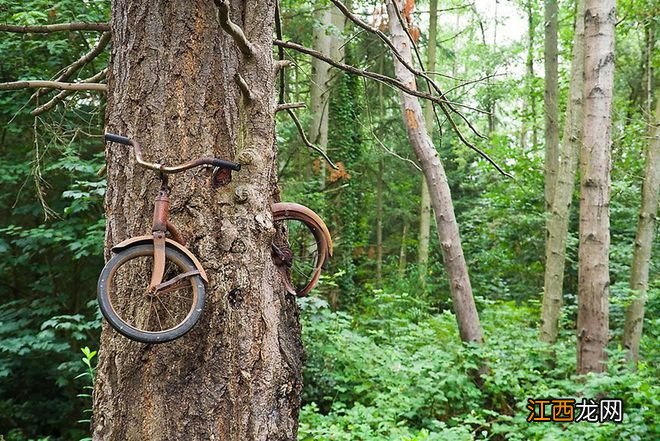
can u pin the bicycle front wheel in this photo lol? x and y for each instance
(149, 315)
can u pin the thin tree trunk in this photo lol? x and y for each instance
(550, 101)
(450, 241)
(326, 41)
(639, 273)
(558, 217)
(593, 268)
(402, 249)
(379, 223)
(429, 118)
(237, 375)
(531, 32)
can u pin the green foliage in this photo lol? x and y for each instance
(387, 364)
(398, 372)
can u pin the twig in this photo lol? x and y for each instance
(299, 126)
(52, 85)
(380, 143)
(279, 65)
(287, 106)
(420, 73)
(68, 71)
(102, 27)
(65, 93)
(233, 29)
(444, 110)
(392, 82)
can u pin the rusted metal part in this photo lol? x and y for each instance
(221, 177)
(175, 233)
(292, 210)
(222, 163)
(283, 258)
(161, 213)
(158, 269)
(146, 239)
(171, 284)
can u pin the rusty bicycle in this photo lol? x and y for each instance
(153, 288)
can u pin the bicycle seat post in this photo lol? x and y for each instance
(161, 206)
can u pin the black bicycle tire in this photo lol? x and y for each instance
(129, 331)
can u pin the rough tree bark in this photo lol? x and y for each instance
(448, 234)
(550, 100)
(558, 216)
(171, 86)
(425, 203)
(639, 273)
(593, 267)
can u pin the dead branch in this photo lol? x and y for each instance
(432, 85)
(278, 65)
(287, 106)
(101, 27)
(68, 71)
(301, 131)
(233, 29)
(52, 85)
(65, 93)
(392, 82)
(454, 127)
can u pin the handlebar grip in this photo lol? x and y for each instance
(226, 164)
(111, 137)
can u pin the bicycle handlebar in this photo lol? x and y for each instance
(216, 162)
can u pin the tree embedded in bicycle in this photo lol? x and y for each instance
(167, 283)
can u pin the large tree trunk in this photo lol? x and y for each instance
(450, 241)
(429, 118)
(593, 271)
(639, 273)
(558, 217)
(237, 374)
(550, 101)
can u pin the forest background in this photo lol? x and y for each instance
(384, 359)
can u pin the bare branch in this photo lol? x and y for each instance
(68, 71)
(392, 82)
(233, 29)
(380, 143)
(243, 85)
(278, 65)
(299, 126)
(287, 106)
(101, 27)
(444, 110)
(65, 93)
(53, 85)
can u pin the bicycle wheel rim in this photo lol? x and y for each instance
(113, 313)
